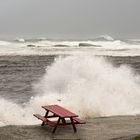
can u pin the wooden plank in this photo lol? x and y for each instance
(40, 117)
(60, 111)
(53, 123)
(45, 120)
(78, 121)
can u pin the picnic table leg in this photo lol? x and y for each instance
(63, 121)
(73, 124)
(56, 125)
(45, 116)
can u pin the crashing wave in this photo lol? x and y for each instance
(90, 83)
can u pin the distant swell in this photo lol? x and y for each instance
(102, 45)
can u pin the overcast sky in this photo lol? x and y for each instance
(70, 18)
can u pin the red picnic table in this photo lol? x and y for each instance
(62, 115)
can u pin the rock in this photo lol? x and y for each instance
(61, 45)
(31, 45)
(87, 44)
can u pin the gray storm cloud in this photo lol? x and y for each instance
(70, 18)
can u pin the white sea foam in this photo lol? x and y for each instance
(20, 39)
(87, 85)
(105, 38)
(4, 43)
(107, 46)
(91, 87)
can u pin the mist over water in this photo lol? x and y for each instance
(88, 85)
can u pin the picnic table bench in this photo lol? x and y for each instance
(62, 115)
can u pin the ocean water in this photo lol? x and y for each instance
(94, 78)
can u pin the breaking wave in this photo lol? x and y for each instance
(102, 45)
(104, 38)
(20, 40)
(87, 85)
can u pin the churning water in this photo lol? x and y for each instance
(76, 77)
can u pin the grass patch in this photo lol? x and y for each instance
(136, 138)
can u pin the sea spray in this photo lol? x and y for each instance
(88, 85)
(15, 114)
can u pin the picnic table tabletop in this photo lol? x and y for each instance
(60, 111)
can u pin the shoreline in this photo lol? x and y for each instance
(104, 128)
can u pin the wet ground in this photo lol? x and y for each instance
(108, 128)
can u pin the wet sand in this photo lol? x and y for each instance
(108, 128)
